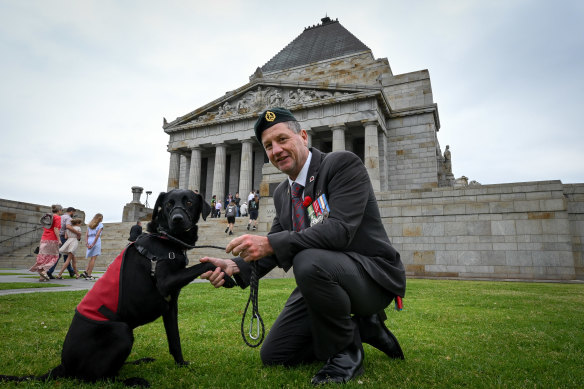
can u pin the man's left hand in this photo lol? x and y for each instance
(250, 247)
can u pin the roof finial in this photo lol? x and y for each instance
(326, 19)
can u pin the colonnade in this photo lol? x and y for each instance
(185, 165)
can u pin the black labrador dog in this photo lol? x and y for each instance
(142, 284)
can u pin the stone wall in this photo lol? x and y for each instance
(528, 231)
(19, 224)
(411, 157)
(508, 231)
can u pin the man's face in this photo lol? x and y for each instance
(286, 149)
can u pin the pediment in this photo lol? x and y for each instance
(249, 101)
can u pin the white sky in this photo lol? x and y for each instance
(84, 85)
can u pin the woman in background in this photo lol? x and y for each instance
(93, 243)
(49, 247)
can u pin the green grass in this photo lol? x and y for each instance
(14, 274)
(454, 333)
(26, 285)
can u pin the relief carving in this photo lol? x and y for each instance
(259, 99)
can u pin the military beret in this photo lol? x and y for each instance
(270, 117)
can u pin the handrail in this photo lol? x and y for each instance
(19, 235)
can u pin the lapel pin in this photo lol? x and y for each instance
(311, 178)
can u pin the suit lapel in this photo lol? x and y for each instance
(312, 173)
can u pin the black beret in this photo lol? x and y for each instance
(270, 117)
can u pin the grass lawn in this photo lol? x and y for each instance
(454, 333)
(25, 285)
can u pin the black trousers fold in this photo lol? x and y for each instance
(316, 320)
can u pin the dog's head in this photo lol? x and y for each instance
(177, 213)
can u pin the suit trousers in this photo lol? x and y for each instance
(316, 323)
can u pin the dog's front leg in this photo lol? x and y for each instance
(169, 282)
(170, 319)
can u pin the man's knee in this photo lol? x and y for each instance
(305, 262)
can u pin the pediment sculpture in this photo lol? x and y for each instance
(258, 99)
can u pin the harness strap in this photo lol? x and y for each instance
(108, 313)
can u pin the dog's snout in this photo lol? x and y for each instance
(177, 218)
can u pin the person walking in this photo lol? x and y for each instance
(66, 228)
(49, 246)
(230, 213)
(69, 248)
(93, 243)
(254, 206)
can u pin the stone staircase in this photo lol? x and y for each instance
(115, 239)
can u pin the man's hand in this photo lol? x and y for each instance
(224, 266)
(250, 247)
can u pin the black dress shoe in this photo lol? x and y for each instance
(341, 367)
(374, 332)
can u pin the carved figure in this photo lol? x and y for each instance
(447, 160)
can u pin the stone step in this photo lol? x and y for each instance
(115, 239)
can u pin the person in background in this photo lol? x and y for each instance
(218, 206)
(135, 231)
(66, 228)
(93, 243)
(49, 247)
(69, 248)
(237, 200)
(254, 206)
(230, 213)
(243, 209)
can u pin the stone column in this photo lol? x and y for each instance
(173, 171)
(185, 166)
(195, 171)
(219, 172)
(372, 154)
(246, 168)
(338, 137)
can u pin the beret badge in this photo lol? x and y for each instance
(270, 116)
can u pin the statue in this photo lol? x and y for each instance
(447, 161)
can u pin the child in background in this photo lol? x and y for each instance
(69, 248)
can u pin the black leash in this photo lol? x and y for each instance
(254, 282)
(258, 337)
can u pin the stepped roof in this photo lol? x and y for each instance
(317, 43)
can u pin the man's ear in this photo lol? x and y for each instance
(152, 226)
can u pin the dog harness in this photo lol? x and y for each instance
(105, 293)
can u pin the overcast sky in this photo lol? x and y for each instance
(85, 84)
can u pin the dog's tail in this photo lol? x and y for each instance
(57, 372)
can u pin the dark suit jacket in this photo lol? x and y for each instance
(135, 232)
(353, 227)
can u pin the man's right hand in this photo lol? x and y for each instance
(223, 266)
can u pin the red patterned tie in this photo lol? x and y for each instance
(298, 211)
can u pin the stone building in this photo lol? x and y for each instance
(342, 95)
(347, 99)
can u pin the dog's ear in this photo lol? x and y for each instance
(152, 226)
(205, 207)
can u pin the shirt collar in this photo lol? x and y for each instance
(301, 179)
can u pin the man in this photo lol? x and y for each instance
(135, 231)
(66, 228)
(346, 270)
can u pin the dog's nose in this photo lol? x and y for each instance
(177, 219)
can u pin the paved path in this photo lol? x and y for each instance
(68, 284)
(23, 275)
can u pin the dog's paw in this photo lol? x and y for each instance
(183, 363)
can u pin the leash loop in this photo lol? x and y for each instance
(255, 314)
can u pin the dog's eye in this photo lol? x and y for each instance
(168, 205)
(189, 204)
